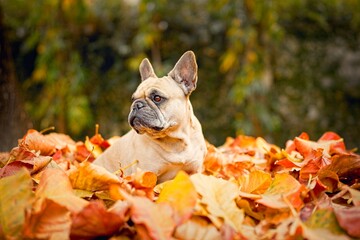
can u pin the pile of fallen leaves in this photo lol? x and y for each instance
(249, 189)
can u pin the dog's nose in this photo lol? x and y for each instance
(138, 105)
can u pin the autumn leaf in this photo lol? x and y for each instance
(257, 182)
(245, 205)
(346, 166)
(283, 186)
(61, 141)
(50, 221)
(55, 185)
(13, 168)
(33, 140)
(251, 190)
(355, 196)
(93, 148)
(33, 165)
(349, 219)
(88, 176)
(306, 146)
(95, 220)
(323, 225)
(197, 228)
(219, 197)
(180, 193)
(143, 179)
(152, 221)
(15, 197)
(82, 153)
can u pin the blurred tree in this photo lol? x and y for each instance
(266, 68)
(13, 119)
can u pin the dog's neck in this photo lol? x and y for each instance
(179, 140)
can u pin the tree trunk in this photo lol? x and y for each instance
(13, 119)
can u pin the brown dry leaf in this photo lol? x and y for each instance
(55, 185)
(95, 220)
(197, 228)
(88, 176)
(50, 221)
(219, 197)
(346, 166)
(181, 194)
(33, 140)
(152, 221)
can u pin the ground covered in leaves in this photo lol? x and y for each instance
(249, 189)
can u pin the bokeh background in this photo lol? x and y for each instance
(266, 68)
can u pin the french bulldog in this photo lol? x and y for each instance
(166, 137)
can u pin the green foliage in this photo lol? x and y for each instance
(266, 68)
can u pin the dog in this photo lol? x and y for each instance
(166, 137)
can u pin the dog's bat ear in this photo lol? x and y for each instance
(146, 70)
(185, 72)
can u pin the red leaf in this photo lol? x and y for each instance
(349, 220)
(290, 146)
(13, 168)
(82, 153)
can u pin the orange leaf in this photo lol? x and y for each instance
(152, 221)
(257, 182)
(50, 221)
(180, 193)
(55, 185)
(33, 140)
(144, 179)
(282, 186)
(305, 147)
(95, 220)
(88, 176)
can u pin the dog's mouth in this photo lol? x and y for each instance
(141, 126)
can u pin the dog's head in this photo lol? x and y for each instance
(161, 105)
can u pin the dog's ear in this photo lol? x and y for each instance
(146, 70)
(185, 72)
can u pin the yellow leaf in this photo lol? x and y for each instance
(88, 176)
(180, 193)
(228, 61)
(219, 197)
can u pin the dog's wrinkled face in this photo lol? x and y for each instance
(160, 105)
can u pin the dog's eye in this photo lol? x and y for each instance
(157, 98)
